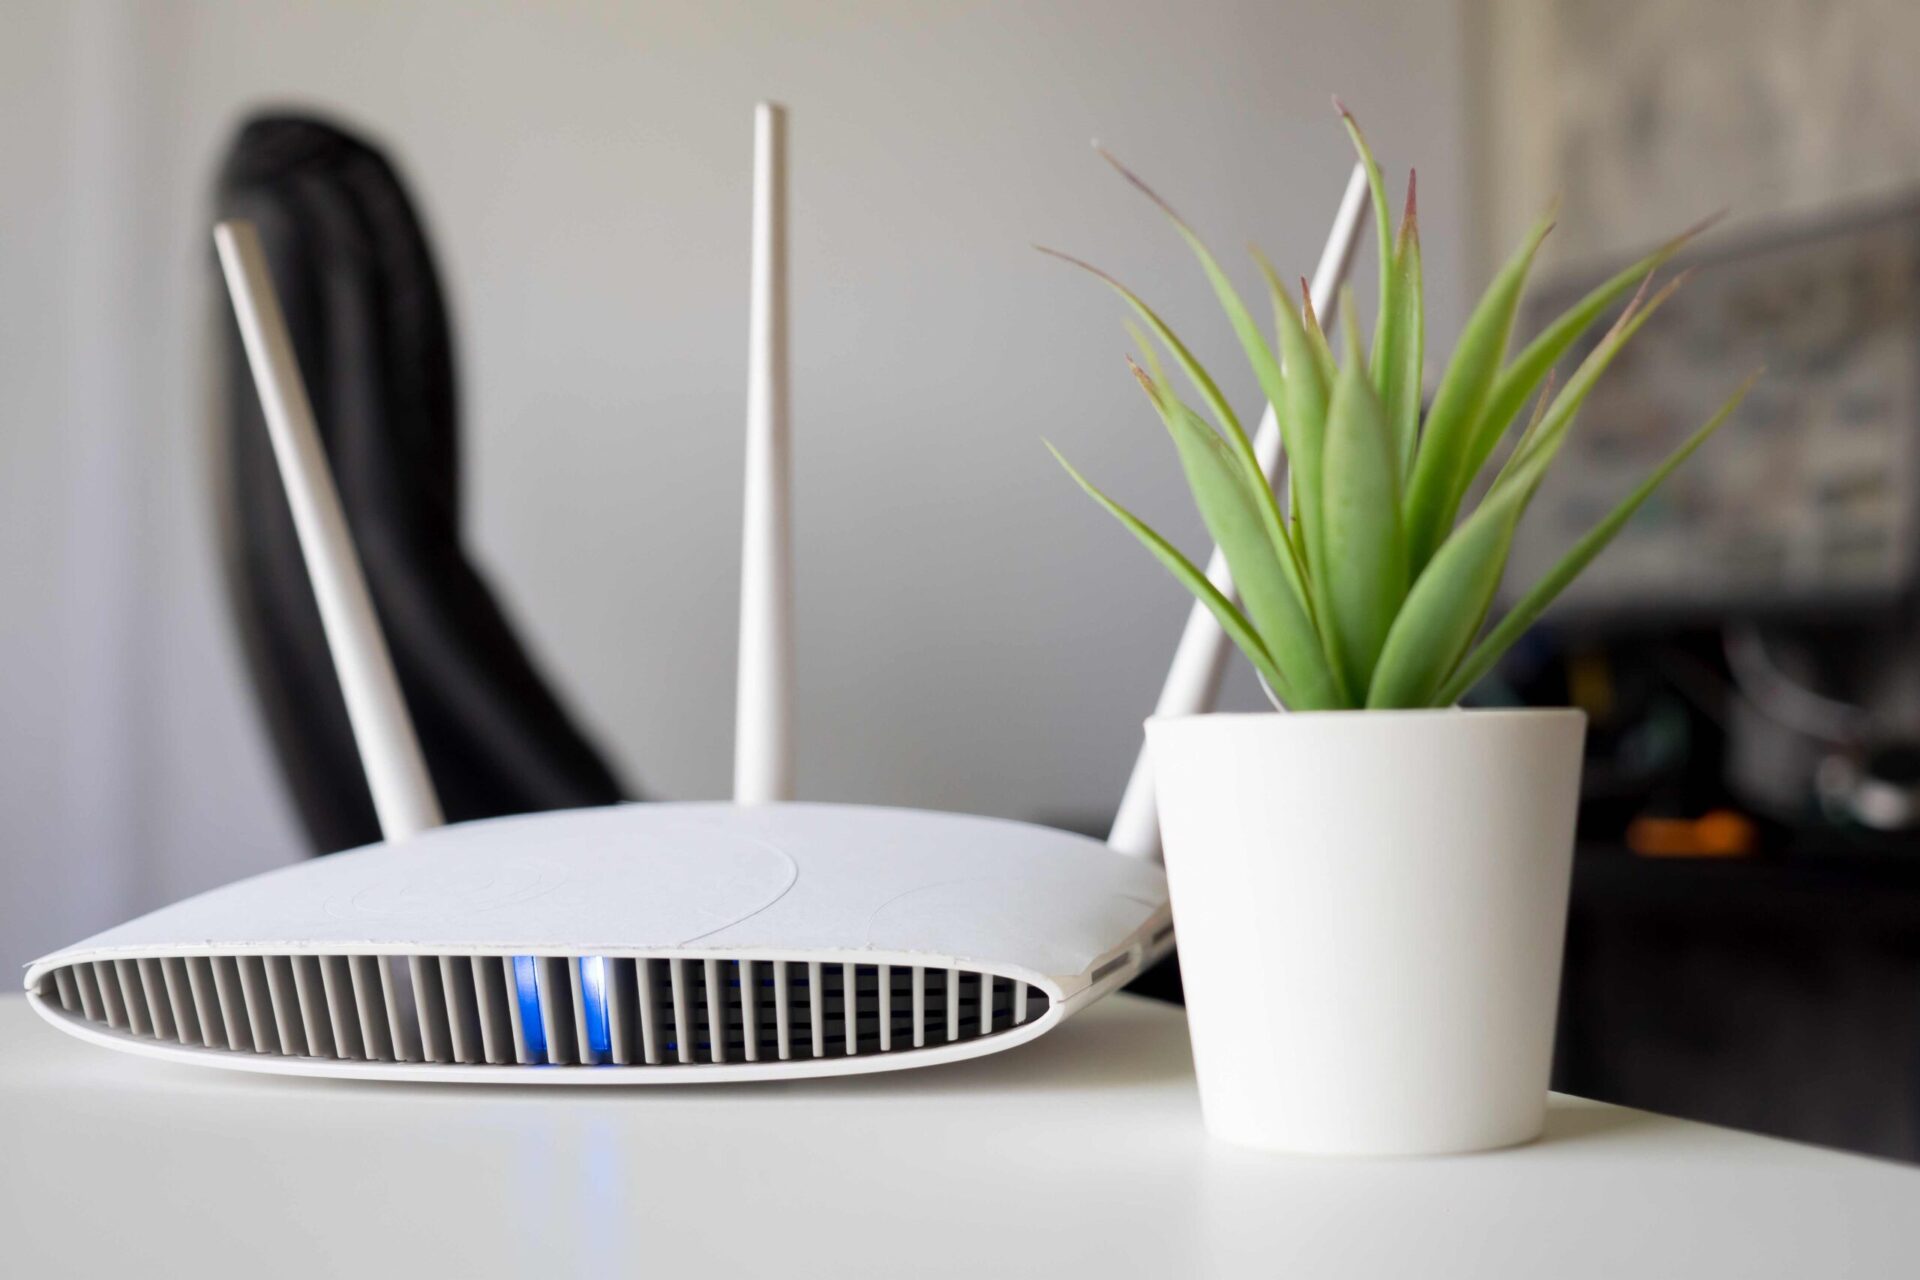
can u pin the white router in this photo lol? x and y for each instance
(646, 943)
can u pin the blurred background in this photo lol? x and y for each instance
(572, 182)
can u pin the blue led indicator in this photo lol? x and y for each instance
(593, 995)
(527, 989)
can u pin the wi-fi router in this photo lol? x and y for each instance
(640, 943)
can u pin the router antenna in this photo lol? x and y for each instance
(1193, 681)
(403, 794)
(763, 728)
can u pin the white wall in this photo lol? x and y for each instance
(973, 634)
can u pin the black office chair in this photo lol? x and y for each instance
(364, 307)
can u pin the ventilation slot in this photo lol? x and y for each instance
(179, 994)
(491, 1010)
(107, 982)
(206, 1003)
(595, 1011)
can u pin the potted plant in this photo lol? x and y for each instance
(1371, 889)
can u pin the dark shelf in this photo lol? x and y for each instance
(1779, 993)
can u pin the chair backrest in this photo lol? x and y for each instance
(363, 304)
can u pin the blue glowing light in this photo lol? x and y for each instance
(527, 990)
(593, 995)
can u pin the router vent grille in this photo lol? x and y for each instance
(540, 1010)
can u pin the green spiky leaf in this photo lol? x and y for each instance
(1197, 374)
(1389, 314)
(1404, 358)
(1232, 514)
(1435, 488)
(1524, 375)
(1365, 544)
(1225, 612)
(1266, 366)
(1551, 431)
(1303, 413)
(1446, 605)
(1527, 610)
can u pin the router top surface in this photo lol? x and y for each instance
(708, 877)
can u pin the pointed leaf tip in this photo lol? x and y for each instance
(1705, 224)
(1639, 307)
(1634, 304)
(1409, 233)
(1146, 382)
(1081, 263)
(1138, 184)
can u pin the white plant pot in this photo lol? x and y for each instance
(1371, 907)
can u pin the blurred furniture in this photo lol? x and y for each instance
(1780, 995)
(1081, 1154)
(364, 305)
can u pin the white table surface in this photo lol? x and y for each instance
(1078, 1155)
